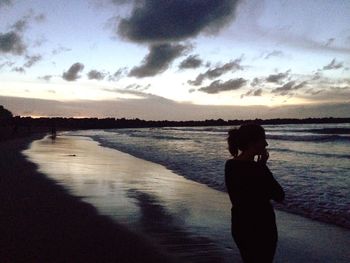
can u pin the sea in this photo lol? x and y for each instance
(310, 161)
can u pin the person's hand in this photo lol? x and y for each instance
(262, 158)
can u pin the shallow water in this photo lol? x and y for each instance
(312, 162)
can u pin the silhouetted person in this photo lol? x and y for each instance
(251, 186)
(53, 133)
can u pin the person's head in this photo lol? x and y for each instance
(247, 137)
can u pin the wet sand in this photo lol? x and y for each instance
(41, 222)
(144, 211)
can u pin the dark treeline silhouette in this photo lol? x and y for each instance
(110, 123)
(30, 124)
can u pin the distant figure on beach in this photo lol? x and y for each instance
(251, 186)
(53, 133)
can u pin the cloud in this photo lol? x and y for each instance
(216, 72)
(19, 70)
(20, 25)
(192, 61)
(12, 43)
(5, 2)
(162, 109)
(94, 74)
(329, 42)
(256, 81)
(333, 65)
(254, 92)
(6, 64)
(73, 71)
(40, 18)
(46, 77)
(289, 86)
(164, 21)
(275, 53)
(218, 86)
(158, 60)
(117, 75)
(31, 60)
(60, 49)
(277, 78)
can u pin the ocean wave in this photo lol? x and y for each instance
(309, 138)
(315, 187)
(328, 155)
(198, 129)
(145, 134)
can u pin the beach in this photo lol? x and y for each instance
(83, 201)
(42, 222)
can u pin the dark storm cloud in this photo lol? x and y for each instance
(288, 87)
(12, 43)
(277, 78)
(216, 72)
(333, 65)
(192, 61)
(174, 20)
(218, 86)
(95, 74)
(158, 60)
(73, 71)
(31, 60)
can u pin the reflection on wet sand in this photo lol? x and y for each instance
(171, 210)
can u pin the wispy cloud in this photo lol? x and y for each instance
(253, 92)
(333, 65)
(19, 70)
(31, 60)
(274, 53)
(60, 49)
(46, 77)
(218, 86)
(288, 87)
(192, 61)
(277, 78)
(217, 72)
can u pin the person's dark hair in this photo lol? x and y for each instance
(241, 138)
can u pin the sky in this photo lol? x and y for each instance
(175, 59)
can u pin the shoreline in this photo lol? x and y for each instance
(42, 222)
(174, 207)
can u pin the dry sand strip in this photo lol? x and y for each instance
(41, 222)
